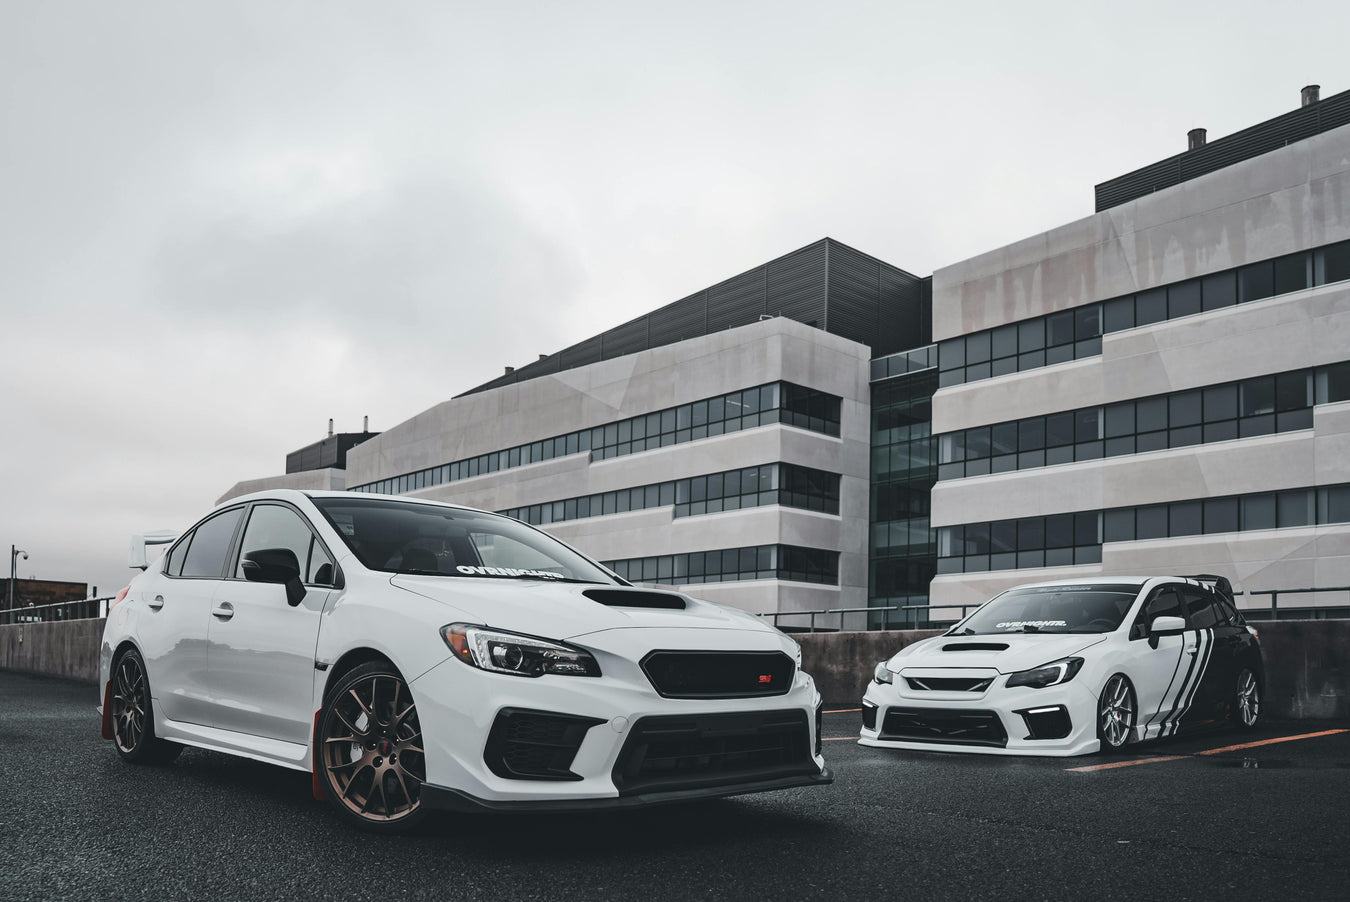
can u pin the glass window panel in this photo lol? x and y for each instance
(1031, 360)
(1004, 340)
(1335, 263)
(1292, 272)
(1087, 348)
(1117, 446)
(1031, 434)
(1150, 414)
(1257, 396)
(1087, 322)
(1186, 518)
(1151, 522)
(977, 348)
(1087, 424)
(1004, 438)
(1031, 534)
(1118, 314)
(1221, 432)
(1058, 354)
(1184, 409)
(1252, 426)
(977, 442)
(1059, 531)
(1221, 515)
(1183, 299)
(1293, 391)
(1183, 436)
(1003, 536)
(1150, 441)
(1334, 505)
(1333, 383)
(1031, 335)
(1059, 328)
(1150, 306)
(1256, 281)
(1002, 366)
(1219, 290)
(1059, 429)
(1119, 525)
(952, 354)
(1294, 419)
(1119, 419)
(1087, 528)
(1220, 403)
(1258, 512)
(1295, 508)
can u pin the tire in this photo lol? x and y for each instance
(368, 751)
(1245, 711)
(1116, 710)
(132, 716)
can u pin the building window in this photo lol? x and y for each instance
(783, 562)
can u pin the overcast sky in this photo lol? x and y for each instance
(222, 224)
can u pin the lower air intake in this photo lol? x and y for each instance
(943, 726)
(535, 745)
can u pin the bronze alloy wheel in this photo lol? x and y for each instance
(133, 723)
(1247, 704)
(371, 751)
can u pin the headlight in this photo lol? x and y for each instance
(502, 652)
(882, 675)
(1051, 674)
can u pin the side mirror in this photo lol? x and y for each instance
(1164, 626)
(275, 565)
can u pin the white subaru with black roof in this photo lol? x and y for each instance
(1073, 667)
(415, 655)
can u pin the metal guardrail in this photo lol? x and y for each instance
(1273, 594)
(79, 609)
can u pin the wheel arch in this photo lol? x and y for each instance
(349, 661)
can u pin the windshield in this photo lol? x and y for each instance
(408, 537)
(1052, 609)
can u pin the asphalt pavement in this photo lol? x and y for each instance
(1266, 821)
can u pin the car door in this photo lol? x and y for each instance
(261, 649)
(1218, 647)
(1159, 662)
(172, 630)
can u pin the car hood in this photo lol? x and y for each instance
(553, 610)
(1006, 653)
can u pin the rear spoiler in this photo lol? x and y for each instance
(1220, 584)
(136, 558)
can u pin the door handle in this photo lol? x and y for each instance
(223, 611)
(157, 603)
(1192, 651)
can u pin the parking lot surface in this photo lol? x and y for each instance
(1167, 821)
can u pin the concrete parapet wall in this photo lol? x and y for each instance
(1307, 661)
(62, 648)
(1307, 665)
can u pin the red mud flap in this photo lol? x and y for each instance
(105, 725)
(316, 785)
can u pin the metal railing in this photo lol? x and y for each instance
(79, 609)
(1273, 610)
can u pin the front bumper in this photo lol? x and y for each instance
(1010, 733)
(458, 707)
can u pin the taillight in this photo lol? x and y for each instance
(1255, 635)
(120, 595)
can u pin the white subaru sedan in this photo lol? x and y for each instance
(414, 655)
(1073, 667)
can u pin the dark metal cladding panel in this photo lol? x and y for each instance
(686, 318)
(906, 318)
(629, 338)
(581, 353)
(738, 301)
(1264, 137)
(543, 367)
(855, 294)
(797, 285)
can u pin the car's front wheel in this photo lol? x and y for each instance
(1115, 713)
(1247, 700)
(369, 749)
(133, 722)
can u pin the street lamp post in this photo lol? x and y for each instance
(14, 554)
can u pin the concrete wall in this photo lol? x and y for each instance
(1307, 661)
(64, 648)
(1307, 665)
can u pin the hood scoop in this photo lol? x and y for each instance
(976, 646)
(635, 598)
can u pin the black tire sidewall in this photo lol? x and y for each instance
(348, 680)
(149, 749)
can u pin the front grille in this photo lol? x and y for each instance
(719, 674)
(949, 684)
(535, 745)
(664, 754)
(944, 726)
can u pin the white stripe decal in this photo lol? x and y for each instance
(1205, 638)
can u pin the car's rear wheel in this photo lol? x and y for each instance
(1246, 710)
(133, 721)
(1115, 713)
(370, 749)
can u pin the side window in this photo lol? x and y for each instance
(210, 543)
(174, 565)
(271, 527)
(1200, 609)
(1230, 612)
(1164, 602)
(321, 570)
